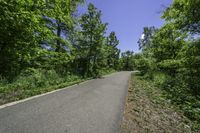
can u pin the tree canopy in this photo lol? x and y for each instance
(48, 35)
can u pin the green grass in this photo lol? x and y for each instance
(37, 82)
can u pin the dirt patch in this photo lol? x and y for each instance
(147, 112)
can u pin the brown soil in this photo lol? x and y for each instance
(145, 113)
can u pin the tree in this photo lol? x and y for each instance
(184, 14)
(167, 44)
(59, 18)
(113, 51)
(19, 24)
(170, 56)
(143, 64)
(28, 36)
(91, 44)
(127, 60)
(145, 41)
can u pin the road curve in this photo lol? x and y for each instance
(92, 107)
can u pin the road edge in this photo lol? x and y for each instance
(47, 93)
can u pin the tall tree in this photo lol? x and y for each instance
(113, 51)
(19, 24)
(184, 15)
(28, 33)
(91, 44)
(167, 44)
(59, 17)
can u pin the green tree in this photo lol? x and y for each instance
(127, 60)
(145, 41)
(167, 43)
(28, 37)
(59, 18)
(184, 14)
(19, 24)
(113, 51)
(91, 44)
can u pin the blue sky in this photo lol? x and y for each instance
(128, 17)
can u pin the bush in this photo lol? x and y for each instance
(179, 93)
(159, 78)
(32, 82)
(37, 78)
(146, 66)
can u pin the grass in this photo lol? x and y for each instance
(149, 110)
(37, 82)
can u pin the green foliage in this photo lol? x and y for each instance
(192, 69)
(172, 92)
(159, 78)
(35, 81)
(184, 14)
(179, 93)
(28, 38)
(167, 43)
(144, 65)
(45, 45)
(92, 47)
(113, 51)
(127, 61)
(170, 57)
(48, 35)
(17, 24)
(145, 41)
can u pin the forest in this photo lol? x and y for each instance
(170, 57)
(47, 44)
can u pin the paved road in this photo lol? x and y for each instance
(92, 107)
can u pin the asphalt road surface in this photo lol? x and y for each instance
(95, 106)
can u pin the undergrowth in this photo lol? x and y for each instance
(37, 81)
(175, 92)
(149, 111)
